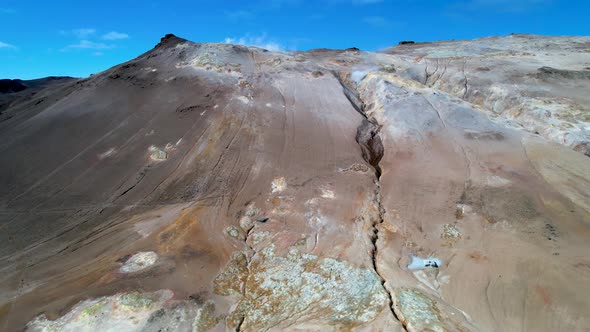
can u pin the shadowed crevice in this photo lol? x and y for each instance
(367, 136)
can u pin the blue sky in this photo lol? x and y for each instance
(41, 38)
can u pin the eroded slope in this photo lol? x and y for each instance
(222, 187)
(532, 82)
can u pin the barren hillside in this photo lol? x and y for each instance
(212, 187)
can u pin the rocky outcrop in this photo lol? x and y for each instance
(527, 82)
(219, 187)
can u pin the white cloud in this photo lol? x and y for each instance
(87, 40)
(114, 35)
(83, 33)
(87, 44)
(259, 41)
(7, 46)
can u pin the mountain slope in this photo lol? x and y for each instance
(215, 186)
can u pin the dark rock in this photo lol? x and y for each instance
(583, 148)
(198, 298)
(317, 73)
(548, 72)
(123, 259)
(485, 135)
(158, 314)
(367, 136)
(262, 219)
(170, 40)
(388, 69)
(482, 69)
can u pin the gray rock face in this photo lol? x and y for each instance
(214, 187)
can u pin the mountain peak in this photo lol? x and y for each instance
(170, 40)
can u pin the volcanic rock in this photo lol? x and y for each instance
(215, 187)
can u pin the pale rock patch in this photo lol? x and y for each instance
(278, 185)
(327, 290)
(232, 231)
(120, 312)
(107, 153)
(157, 154)
(244, 99)
(326, 193)
(139, 261)
(497, 181)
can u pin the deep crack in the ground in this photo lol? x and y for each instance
(373, 157)
(375, 250)
(367, 136)
(248, 261)
(372, 150)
